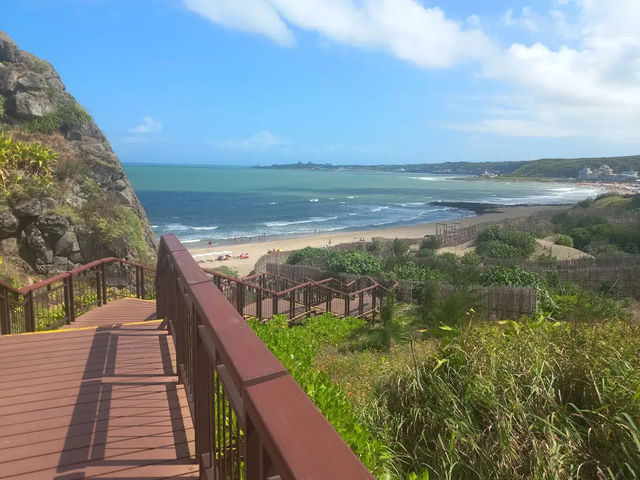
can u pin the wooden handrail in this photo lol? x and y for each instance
(56, 300)
(235, 387)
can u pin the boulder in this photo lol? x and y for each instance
(67, 245)
(8, 49)
(37, 247)
(52, 227)
(8, 79)
(9, 246)
(30, 81)
(26, 105)
(33, 207)
(9, 224)
(59, 265)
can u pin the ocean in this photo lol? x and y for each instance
(219, 204)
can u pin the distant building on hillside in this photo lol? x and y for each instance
(605, 173)
(585, 174)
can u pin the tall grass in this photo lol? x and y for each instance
(533, 399)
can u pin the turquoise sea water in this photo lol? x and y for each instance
(199, 204)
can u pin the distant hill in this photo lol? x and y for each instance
(542, 168)
(568, 167)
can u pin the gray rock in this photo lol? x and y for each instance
(120, 184)
(9, 246)
(52, 227)
(39, 254)
(76, 258)
(60, 264)
(8, 79)
(26, 105)
(30, 81)
(33, 207)
(8, 224)
(8, 48)
(67, 244)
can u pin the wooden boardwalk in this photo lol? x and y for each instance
(98, 399)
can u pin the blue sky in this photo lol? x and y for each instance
(244, 82)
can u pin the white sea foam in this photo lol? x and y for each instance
(378, 209)
(426, 179)
(351, 196)
(190, 240)
(298, 222)
(205, 228)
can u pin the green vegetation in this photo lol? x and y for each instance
(224, 270)
(69, 113)
(24, 167)
(585, 229)
(564, 240)
(568, 167)
(497, 241)
(440, 392)
(297, 348)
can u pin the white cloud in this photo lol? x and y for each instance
(405, 28)
(590, 86)
(257, 16)
(590, 90)
(261, 140)
(148, 125)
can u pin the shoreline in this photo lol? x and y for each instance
(256, 249)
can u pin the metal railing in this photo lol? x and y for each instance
(58, 300)
(252, 420)
(264, 295)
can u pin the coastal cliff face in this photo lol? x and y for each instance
(65, 199)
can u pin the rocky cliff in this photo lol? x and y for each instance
(65, 199)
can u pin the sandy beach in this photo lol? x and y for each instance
(256, 249)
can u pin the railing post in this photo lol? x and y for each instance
(373, 303)
(137, 282)
(142, 290)
(98, 288)
(29, 313)
(67, 300)
(5, 321)
(103, 284)
(307, 300)
(72, 300)
(202, 396)
(361, 306)
(292, 305)
(259, 303)
(276, 301)
(240, 298)
(329, 300)
(347, 309)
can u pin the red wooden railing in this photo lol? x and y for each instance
(252, 420)
(264, 295)
(58, 300)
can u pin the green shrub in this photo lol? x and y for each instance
(471, 258)
(308, 253)
(497, 241)
(564, 240)
(357, 262)
(430, 243)
(69, 113)
(24, 166)
(400, 247)
(375, 246)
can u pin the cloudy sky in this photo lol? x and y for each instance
(345, 81)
